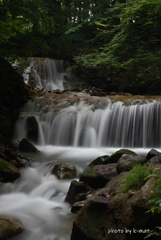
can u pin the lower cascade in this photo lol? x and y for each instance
(96, 124)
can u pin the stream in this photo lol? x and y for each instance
(74, 131)
(37, 198)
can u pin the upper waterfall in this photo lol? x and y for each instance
(96, 124)
(45, 73)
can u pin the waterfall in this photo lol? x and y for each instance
(82, 124)
(73, 128)
(45, 73)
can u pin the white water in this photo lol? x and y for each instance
(37, 199)
(116, 125)
(47, 74)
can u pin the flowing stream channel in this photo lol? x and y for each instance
(77, 133)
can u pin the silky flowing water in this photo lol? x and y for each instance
(37, 198)
(76, 132)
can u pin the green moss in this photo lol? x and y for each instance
(4, 165)
(117, 155)
(92, 175)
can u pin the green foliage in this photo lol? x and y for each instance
(4, 165)
(135, 178)
(117, 40)
(155, 201)
(154, 233)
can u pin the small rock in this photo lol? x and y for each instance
(8, 172)
(65, 171)
(27, 146)
(9, 228)
(77, 192)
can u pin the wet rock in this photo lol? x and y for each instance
(110, 209)
(22, 162)
(65, 171)
(153, 160)
(27, 146)
(77, 192)
(8, 153)
(153, 153)
(99, 161)
(13, 156)
(32, 81)
(98, 176)
(127, 162)
(32, 129)
(8, 172)
(9, 228)
(77, 206)
(116, 156)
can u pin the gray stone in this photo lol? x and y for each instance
(65, 171)
(127, 162)
(98, 176)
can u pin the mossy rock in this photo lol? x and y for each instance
(9, 228)
(109, 209)
(8, 173)
(99, 160)
(98, 176)
(64, 171)
(117, 155)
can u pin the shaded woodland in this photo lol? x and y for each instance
(115, 45)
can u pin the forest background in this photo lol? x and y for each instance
(115, 45)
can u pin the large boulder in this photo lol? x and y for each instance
(127, 162)
(99, 160)
(8, 172)
(98, 176)
(112, 215)
(12, 97)
(9, 227)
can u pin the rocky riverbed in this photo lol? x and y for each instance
(102, 210)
